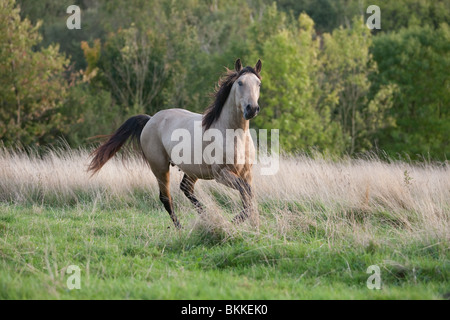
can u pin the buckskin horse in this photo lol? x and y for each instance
(235, 103)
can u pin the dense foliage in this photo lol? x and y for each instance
(328, 81)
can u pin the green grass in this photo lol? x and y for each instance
(132, 253)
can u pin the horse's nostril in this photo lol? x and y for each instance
(248, 108)
(258, 108)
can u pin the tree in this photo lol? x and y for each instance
(32, 85)
(396, 15)
(290, 94)
(89, 113)
(327, 14)
(347, 68)
(417, 61)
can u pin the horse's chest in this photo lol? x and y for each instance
(238, 151)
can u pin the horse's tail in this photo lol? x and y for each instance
(132, 128)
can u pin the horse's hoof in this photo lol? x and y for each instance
(239, 219)
(178, 227)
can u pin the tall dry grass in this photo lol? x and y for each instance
(357, 197)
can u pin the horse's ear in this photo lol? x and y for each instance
(258, 66)
(238, 65)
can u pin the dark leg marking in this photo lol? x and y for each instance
(187, 186)
(246, 194)
(169, 207)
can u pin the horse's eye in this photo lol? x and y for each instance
(240, 83)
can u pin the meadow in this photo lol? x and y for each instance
(323, 223)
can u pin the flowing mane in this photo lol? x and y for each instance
(212, 113)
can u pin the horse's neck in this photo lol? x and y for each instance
(231, 116)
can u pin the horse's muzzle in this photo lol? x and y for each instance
(251, 112)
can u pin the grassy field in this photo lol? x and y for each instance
(323, 223)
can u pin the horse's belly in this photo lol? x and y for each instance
(195, 170)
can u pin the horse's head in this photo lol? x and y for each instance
(242, 85)
(246, 89)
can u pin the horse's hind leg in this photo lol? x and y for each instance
(187, 186)
(164, 195)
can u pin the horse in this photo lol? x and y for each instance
(235, 103)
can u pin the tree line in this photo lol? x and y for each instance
(329, 83)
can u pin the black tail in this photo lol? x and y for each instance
(132, 128)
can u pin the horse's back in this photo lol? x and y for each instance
(165, 122)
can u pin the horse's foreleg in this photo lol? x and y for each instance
(230, 179)
(187, 186)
